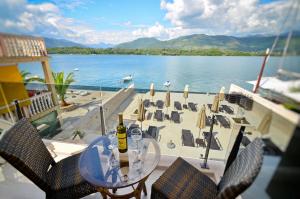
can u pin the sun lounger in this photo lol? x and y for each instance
(160, 104)
(158, 115)
(228, 109)
(187, 138)
(153, 132)
(200, 142)
(149, 116)
(175, 117)
(214, 144)
(147, 103)
(224, 121)
(192, 106)
(84, 93)
(177, 105)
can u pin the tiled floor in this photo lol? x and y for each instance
(13, 185)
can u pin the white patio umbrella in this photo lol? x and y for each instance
(222, 93)
(215, 105)
(168, 100)
(152, 92)
(186, 92)
(201, 122)
(141, 112)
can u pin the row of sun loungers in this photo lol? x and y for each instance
(159, 116)
(188, 140)
(160, 104)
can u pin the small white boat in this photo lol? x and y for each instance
(167, 84)
(127, 78)
(76, 69)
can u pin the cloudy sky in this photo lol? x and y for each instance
(116, 21)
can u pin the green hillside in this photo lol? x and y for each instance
(202, 41)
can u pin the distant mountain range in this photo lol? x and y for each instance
(59, 43)
(202, 41)
(193, 42)
(101, 45)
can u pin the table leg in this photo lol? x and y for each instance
(103, 194)
(145, 189)
(135, 193)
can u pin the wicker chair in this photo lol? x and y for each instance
(22, 147)
(182, 180)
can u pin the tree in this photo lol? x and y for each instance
(27, 78)
(62, 83)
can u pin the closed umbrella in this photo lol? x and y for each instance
(201, 122)
(215, 105)
(141, 112)
(152, 92)
(222, 93)
(186, 92)
(265, 124)
(168, 100)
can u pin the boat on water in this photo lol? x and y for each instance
(167, 84)
(76, 69)
(127, 78)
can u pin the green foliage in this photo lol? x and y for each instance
(27, 78)
(62, 83)
(78, 133)
(167, 51)
(295, 89)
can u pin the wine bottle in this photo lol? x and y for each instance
(122, 135)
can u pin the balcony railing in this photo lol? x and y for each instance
(39, 104)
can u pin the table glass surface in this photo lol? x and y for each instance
(102, 166)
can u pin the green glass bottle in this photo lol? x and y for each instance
(122, 135)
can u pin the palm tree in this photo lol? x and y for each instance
(62, 84)
(27, 78)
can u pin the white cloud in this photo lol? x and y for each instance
(46, 20)
(223, 16)
(164, 33)
(186, 16)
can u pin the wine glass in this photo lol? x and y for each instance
(136, 136)
(113, 139)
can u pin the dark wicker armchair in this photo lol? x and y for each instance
(182, 180)
(22, 147)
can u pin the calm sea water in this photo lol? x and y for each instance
(202, 73)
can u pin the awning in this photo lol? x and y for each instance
(11, 88)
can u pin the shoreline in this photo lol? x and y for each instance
(159, 52)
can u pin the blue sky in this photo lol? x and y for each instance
(116, 21)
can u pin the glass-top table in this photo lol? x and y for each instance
(102, 165)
